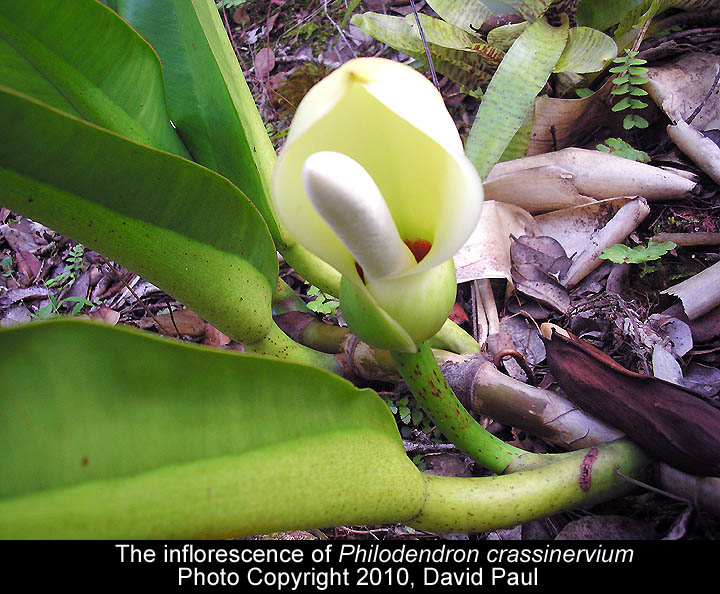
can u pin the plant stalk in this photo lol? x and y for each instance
(421, 373)
(277, 344)
(478, 504)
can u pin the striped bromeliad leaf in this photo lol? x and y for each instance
(462, 57)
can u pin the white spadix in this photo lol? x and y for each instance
(350, 202)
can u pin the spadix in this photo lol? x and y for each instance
(347, 198)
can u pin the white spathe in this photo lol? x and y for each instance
(373, 161)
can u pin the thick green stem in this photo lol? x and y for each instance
(427, 383)
(570, 480)
(453, 338)
(277, 344)
(285, 299)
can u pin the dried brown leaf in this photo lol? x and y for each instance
(264, 62)
(672, 424)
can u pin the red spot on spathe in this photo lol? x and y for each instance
(360, 272)
(419, 248)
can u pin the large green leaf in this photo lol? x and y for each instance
(179, 225)
(80, 58)
(603, 15)
(529, 9)
(587, 50)
(519, 78)
(503, 37)
(208, 98)
(634, 20)
(469, 15)
(110, 433)
(458, 55)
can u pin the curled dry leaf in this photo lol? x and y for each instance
(105, 314)
(706, 328)
(670, 423)
(537, 190)
(264, 62)
(699, 294)
(486, 254)
(184, 321)
(701, 149)
(585, 231)
(606, 528)
(559, 123)
(703, 379)
(544, 288)
(544, 252)
(681, 85)
(601, 175)
(537, 262)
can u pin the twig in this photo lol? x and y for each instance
(134, 294)
(413, 446)
(651, 488)
(232, 40)
(339, 30)
(519, 359)
(425, 45)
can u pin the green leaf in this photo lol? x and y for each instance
(634, 121)
(620, 148)
(511, 94)
(605, 14)
(464, 14)
(102, 72)
(641, 12)
(145, 208)
(622, 254)
(503, 37)
(127, 435)
(463, 58)
(352, 5)
(528, 9)
(587, 50)
(208, 98)
(624, 103)
(519, 143)
(621, 80)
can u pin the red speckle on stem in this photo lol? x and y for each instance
(419, 248)
(585, 479)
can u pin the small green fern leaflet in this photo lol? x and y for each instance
(631, 73)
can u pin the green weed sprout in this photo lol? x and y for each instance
(622, 254)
